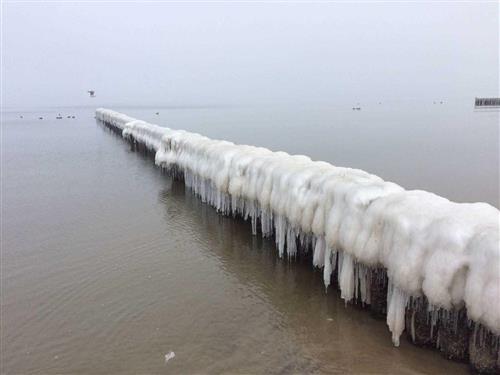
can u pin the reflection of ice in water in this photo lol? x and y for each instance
(169, 356)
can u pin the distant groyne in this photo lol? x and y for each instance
(430, 266)
(487, 102)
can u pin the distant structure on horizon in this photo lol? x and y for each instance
(487, 102)
(91, 93)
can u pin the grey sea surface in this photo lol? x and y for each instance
(107, 265)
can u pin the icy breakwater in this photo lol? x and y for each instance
(435, 262)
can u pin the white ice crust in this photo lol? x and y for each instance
(448, 252)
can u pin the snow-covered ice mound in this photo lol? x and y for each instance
(448, 252)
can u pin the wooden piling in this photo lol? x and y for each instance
(418, 323)
(454, 336)
(483, 351)
(378, 293)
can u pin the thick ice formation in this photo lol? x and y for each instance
(430, 246)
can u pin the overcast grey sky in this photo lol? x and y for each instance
(217, 53)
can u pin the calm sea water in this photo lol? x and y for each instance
(107, 265)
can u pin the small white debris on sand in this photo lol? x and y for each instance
(169, 356)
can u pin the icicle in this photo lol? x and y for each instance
(396, 304)
(280, 227)
(266, 223)
(319, 252)
(252, 212)
(434, 315)
(346, 278)
(364, 283)
(291, 244)
(327, 271)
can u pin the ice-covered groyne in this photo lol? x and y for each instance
(437, 258)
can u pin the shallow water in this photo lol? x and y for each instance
(108, 265)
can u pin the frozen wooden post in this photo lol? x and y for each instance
(418, 323)
(378, 293)
(454, 336)
(483, 351)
